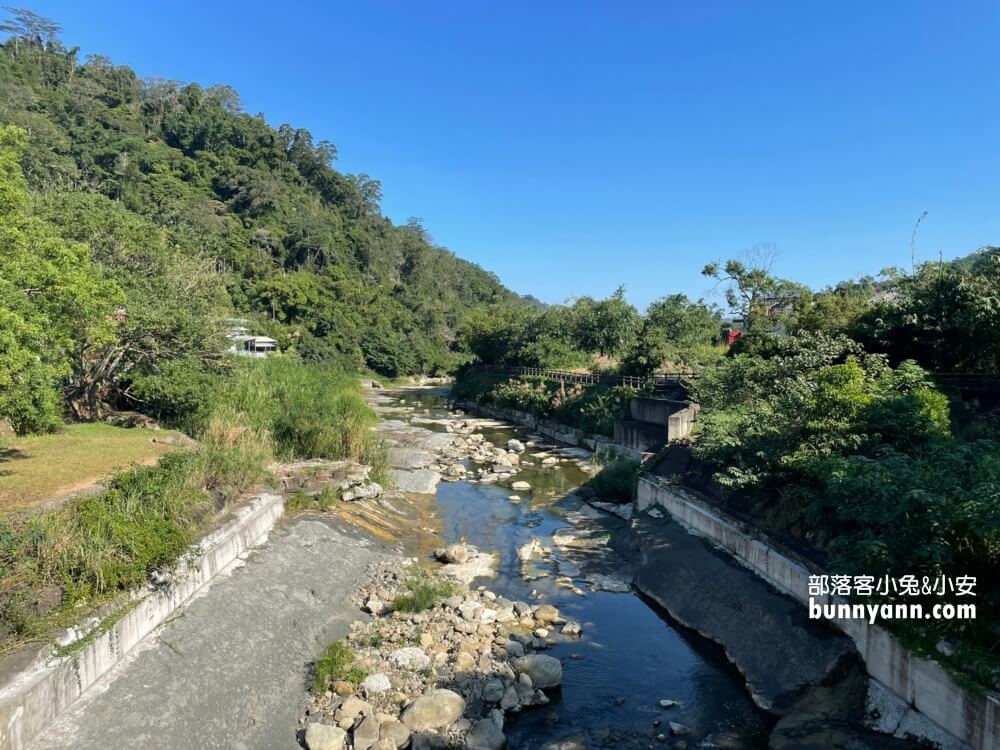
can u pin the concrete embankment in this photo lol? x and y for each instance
(768, 636)
(38, 689)
(906, 696)
(229, 670)
(801, 670)
(852, 685)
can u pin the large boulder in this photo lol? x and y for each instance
(544, 671)
(365, 734)
(546, 613)
(486, 734)
(418, 481)
(324, 737)
(349, 710)
(515, 445)
(394, 732)
(410, 458)
(453, 553)
(433, 711)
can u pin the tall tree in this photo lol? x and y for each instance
(753, 293)
(53, 301)
(675, 332)
(608, 326)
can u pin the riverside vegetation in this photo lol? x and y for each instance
(95, 549)
(825, 421)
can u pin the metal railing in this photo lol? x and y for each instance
(633, 381)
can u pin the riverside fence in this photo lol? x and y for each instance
(661, 380)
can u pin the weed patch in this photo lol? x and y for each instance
(422, 592)
(336, 663)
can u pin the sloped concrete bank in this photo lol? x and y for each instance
(912, 696)
(36, 695)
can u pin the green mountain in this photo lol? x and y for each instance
(297, 245)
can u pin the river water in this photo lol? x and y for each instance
(630, 655)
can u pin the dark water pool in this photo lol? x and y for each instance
(630, 656)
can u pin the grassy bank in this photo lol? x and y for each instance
(591, 408)
(97, 547)
(34, 468)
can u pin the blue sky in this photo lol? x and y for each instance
(574, 146)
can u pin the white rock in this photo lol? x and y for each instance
(572, 629)
(376, 683)
(470, 610)
(410, 657)
(533, 550)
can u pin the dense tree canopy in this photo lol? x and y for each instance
(54, 302)
(221, 192)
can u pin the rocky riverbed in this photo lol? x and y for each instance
(535, 578)
(446, 676)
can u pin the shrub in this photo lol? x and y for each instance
(591, 408)
(181, 393)
(617, 479)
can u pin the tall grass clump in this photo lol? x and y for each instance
(336, 663)
(422, 592)
(310, 411)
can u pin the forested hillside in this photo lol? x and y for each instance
(165, 178)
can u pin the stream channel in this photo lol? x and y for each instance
(631, 655)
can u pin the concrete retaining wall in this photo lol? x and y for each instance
(35, 696)
(923, 684)
(641, 436)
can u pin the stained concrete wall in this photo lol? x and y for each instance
(923, 684)
(641, 436)
(655, 422)
(36, 695)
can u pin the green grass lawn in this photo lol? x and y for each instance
(39, 467)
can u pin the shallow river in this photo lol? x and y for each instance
(630, 656)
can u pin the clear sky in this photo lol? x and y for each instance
(574, 146)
